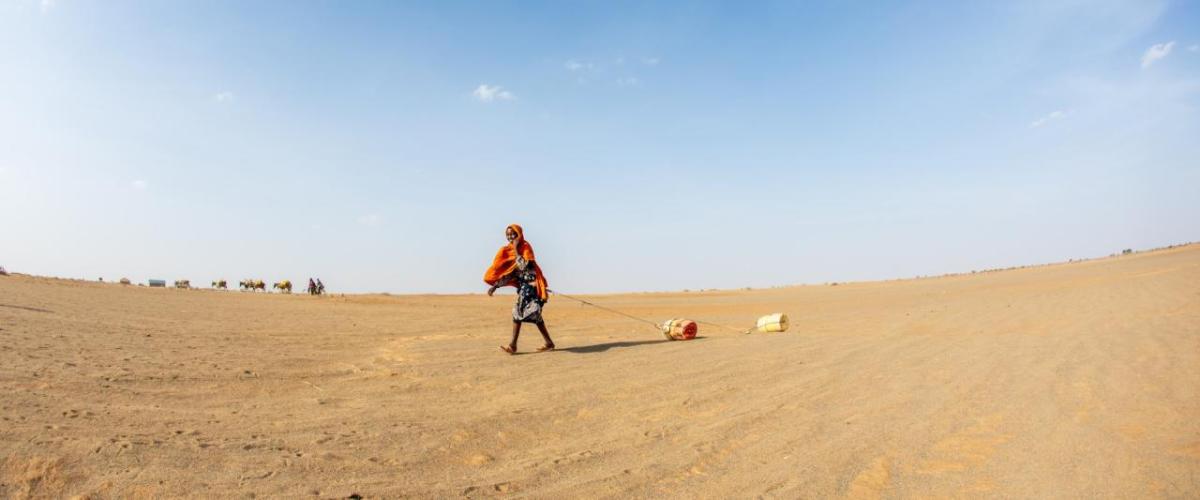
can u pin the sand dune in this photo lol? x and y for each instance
(1073, 380)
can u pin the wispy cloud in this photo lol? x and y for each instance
(46, 5)
(1054, 115)
(223, 97)
(370, 220)
(596, 68)
(627, 81)
(573, 65)
(1158, 51)
(139, 185)
(489, 93)
(1194, 48)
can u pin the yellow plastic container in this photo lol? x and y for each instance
(772, 323)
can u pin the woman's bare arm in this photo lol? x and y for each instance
(505, 281)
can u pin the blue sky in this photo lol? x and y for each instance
(384, 146)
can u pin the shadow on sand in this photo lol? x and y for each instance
(612, 345)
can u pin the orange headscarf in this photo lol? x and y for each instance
(505, 262)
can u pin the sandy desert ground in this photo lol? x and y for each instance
(1071, 380)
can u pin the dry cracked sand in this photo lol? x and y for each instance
(1077, 380)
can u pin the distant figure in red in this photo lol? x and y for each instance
(515, 265)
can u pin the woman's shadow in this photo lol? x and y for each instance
(583, 349)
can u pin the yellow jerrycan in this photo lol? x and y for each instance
(772, 323)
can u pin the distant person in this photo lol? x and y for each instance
(514, 265)
(312, 287)
(320, 287)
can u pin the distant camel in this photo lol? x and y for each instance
(220, 284)
(125, 281)
(183, 284)
(284, 286)
(253, 285)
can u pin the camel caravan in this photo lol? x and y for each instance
(284, 286)
(315, 287)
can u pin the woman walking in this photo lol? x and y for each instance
(514, 265)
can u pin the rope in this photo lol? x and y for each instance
(614, 311)
(643, 320)
(730, 328)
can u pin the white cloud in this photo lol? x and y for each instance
(1054, 115)
(573, 65)
(620, 60)
(650, 61)
(47, 5)
(370, 220)
(1194, 48)
(627, 81)
(489, 93)
(1158, 51)
(139, 185)
(224, 96)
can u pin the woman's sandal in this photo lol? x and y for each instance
(508, 349)
(545, 348)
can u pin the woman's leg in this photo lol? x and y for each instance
(516, 333)
(545, 334)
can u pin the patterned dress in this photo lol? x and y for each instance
(528, 308)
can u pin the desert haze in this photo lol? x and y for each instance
(1068, 380)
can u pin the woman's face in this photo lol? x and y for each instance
(509, 234)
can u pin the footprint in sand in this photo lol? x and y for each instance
(966, 448)
(871, 482)
(462, 435)
(1191, 450)
(574, 457)
(479, 459)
